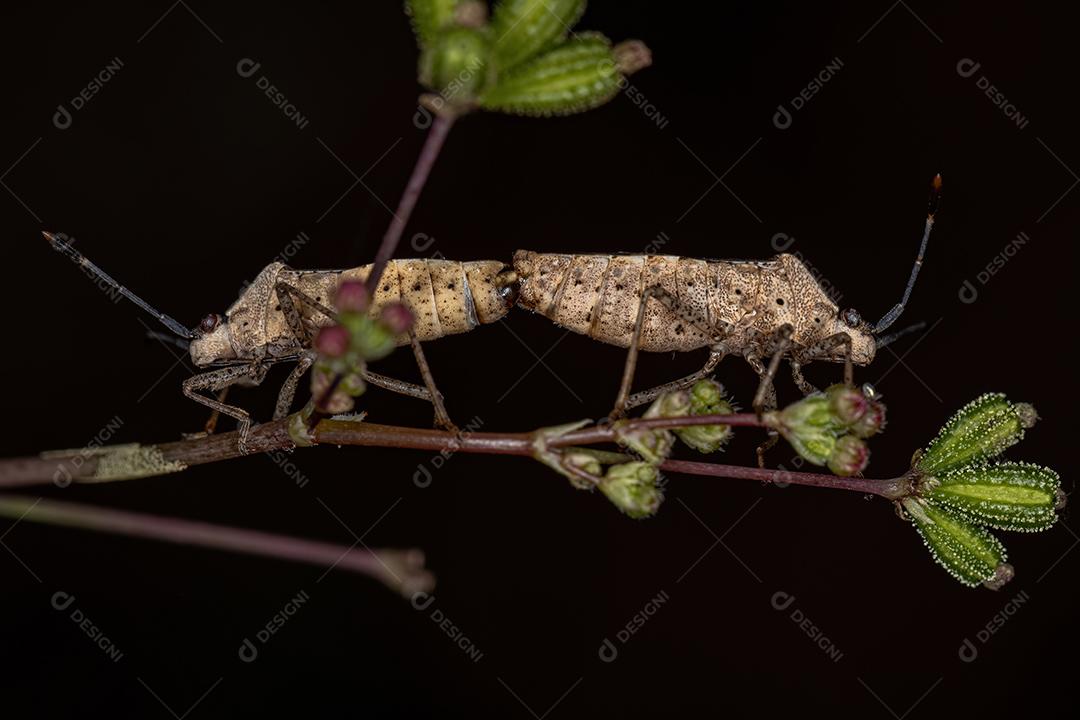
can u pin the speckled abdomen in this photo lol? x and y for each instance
(599, 296)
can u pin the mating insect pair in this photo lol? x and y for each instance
(762, 311)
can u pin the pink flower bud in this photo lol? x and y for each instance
(332, 341)
(847, 403)
(352, 296)
(397, 318)
(849, 457)
(872, 422)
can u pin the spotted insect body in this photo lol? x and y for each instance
(445, 298)
(734, 303)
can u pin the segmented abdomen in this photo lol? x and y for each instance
(599, 296)
(446, 297)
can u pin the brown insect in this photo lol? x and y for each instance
(762, 311)
(277, 316)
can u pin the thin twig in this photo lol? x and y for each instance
(433, 143)
(400, 570)
(98, 466)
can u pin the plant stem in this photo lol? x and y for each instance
(436, 136)
(429, 153)
(274, 437)
(400, 570)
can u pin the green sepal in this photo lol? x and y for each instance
(1007, 496)
(455, 64)
(969, 553)
(428, 17)
(525, 28)
(578, 75)
(982, 429)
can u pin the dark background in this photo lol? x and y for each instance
(183, 180)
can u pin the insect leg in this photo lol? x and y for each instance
(780, 344)
(767, 391)
(624, 400)
(824, 348)
(288, 388)
(285, 294)
(442, 419)
(804, 385)
(647, 396)
(211, 422)
(219, 380)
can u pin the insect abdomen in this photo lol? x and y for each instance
(446, 297)
(599, 296)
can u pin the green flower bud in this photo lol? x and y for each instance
(632, 487)
(455, 64)
(370, 340)
(1008, 496)
(813, 411)
(849, 457)
(810, 426)
(524, 28)
(706, 397)
(671, 404)
(848, 403)
(982, 429)
(353, 384)
(969, 553)
(576, 76)
(429, 16)
(815, 445)
(583, 461)
(652, 445)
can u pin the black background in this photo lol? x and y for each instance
(182, 179)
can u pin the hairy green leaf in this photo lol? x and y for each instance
(525, 28)
(578, 75)
(429, 16)
(1007, 496)
(969, 553)
(982, 429)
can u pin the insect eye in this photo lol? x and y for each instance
(209, 322)
(852, 318)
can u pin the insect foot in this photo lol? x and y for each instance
(829, 428)
(957, 491)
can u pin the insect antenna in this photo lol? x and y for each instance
(893, 337)
(64, 248)
(167, 339)
(932, 208)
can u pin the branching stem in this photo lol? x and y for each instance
(81, 466)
